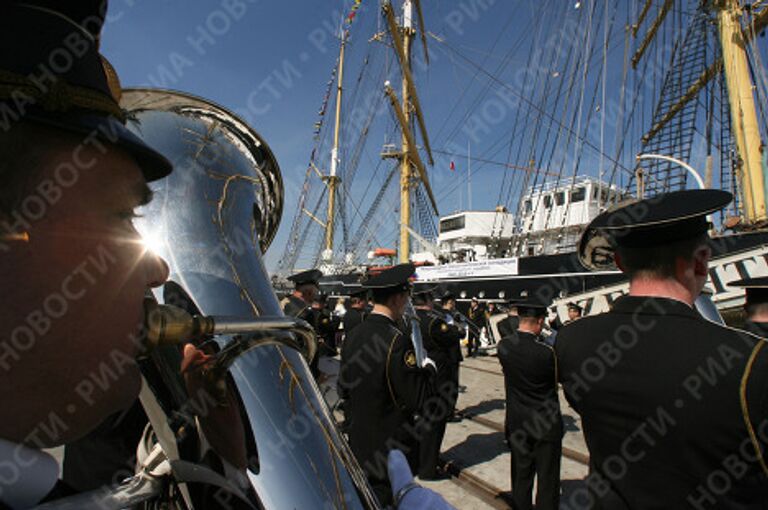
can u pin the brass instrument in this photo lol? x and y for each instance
(266, 438)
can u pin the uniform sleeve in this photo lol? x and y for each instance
(443, 334)
(409, 385)
(341, 383)
(563, 368)
(756, 396)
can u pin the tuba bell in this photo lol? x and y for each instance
(246, 428)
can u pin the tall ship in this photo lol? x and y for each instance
(594, 103)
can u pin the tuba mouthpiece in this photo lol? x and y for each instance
(171, 325)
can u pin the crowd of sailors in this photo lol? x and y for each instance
(673, 405)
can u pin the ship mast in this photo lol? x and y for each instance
(402, 37)
(405, 164)
(743, 113)
(734, 64)
(332, 180)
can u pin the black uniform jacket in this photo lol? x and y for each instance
(441, 340)
(476, 316)
(508, 325)
(383, 388)
(758, 328)
(353, 318)
(530, 379)
(455, 352)
(296, 307)
(659, 390)
(326, 326)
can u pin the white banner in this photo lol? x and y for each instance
(479, 269)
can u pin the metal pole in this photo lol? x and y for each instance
(469, 176)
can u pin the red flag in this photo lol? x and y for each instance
(453, 166)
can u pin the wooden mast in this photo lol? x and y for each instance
(332, 180)
(404, 251)
(402, 38)
(746, 131)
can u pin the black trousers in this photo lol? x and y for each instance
(473, 342)
(539, 458)
(438, 410)
(429, 449)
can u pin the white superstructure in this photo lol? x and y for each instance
(550, 220)
(465, 236)
(552, 217)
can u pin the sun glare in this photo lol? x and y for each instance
(153, 242)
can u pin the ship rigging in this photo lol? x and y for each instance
(584, 106)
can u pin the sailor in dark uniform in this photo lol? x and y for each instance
(306, 289)
(326, 326)
(448, 309)
(382, 381)
(533, 425)
(674, 407)
(58, 120)
(508, 325)
(574, 312)
(299, 304)
(441, 341)
(756, 304)
(356, 312)
(476, 316)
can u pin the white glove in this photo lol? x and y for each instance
(428, 363)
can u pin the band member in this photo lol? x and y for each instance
(326, 325)
(306, 289)
(299, 304)
(533, 425)
(356, 312)
(677, 397)
(448, 307)
(756, 304)
(508, 325)
(574, 312)
(80, 250)
(476, 316)
(381, 381)
(440, 341)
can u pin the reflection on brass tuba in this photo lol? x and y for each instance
(235, 411)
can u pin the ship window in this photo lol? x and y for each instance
(547, 201)
(527, 206)
(578, 195)
(560, 198)
(450, 224)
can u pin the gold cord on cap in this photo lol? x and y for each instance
(61, 97)
(113, 80)
(15, 237)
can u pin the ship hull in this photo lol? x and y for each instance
(733, 257)
(554, 276)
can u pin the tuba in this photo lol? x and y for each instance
(250, 428)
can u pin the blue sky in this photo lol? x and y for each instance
(270, 60)
(241, 64)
